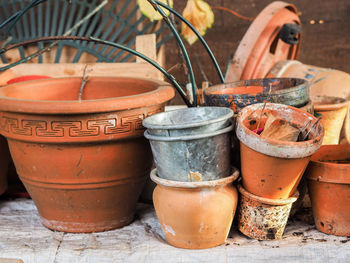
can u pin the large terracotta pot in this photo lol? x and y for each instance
(195, 215)
(328, 177)
(84, 163)
(333, 111)
(272, 168)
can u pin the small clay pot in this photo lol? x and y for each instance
(333, 111)
(328, 177)
(272, 168)
(263, 218)
(195, 215)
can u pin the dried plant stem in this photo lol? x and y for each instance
(233, 13)
(84, 80)
(262, 112)
(313, 126)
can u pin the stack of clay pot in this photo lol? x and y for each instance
(194, 199)
(271, 169)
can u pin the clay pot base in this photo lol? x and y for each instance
(74, 227)
(262, 218)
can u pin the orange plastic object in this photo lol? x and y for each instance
(261, 48)
(271, 168)
(195, 215)
(84, 163)
(329, 188)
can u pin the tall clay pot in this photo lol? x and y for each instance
(333, 111)
(328, 177)
(84, 163)
(195, 215)
(272, 168)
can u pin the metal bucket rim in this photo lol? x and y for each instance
(204, 184)
(146, 122)
(187, 137)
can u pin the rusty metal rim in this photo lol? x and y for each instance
(187, 137)
(276, 148)
(205, 184)
(268, 201)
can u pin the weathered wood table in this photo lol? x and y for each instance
(22, 236)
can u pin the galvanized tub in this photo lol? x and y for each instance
(237, 95)
(193, 158)
(189, 121)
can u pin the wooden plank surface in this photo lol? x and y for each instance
(23, 237)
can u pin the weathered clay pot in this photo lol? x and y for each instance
(333, 111)
(272, 168)
(195, 215)
(84, 163)
(239, 94)
(263, 218)
(328, 177)
(4, 163)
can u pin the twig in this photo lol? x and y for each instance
(313, 125)
(262, 112)
(233, 13)
(84, 80)
(200, 67)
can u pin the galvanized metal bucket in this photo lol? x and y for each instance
(193, 158)
(189, 121)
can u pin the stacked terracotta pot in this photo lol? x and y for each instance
(272, 169)
(195, 199)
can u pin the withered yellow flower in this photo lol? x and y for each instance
(200, 15)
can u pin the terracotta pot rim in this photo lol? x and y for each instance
(334, 172)
(272, 147)
(268, 201)
(187, 137)
(164, 93)
(223, 86)
(192, 185)
(227, 114)
(333, 106)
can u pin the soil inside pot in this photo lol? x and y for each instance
(252, 90)
(340, 161)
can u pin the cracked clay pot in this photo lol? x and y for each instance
(84, 163)
(195, 215)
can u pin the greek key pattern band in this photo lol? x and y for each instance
(25, 127)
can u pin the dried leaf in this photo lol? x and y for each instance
(147, 9)
(281, 130)
(200, 15)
